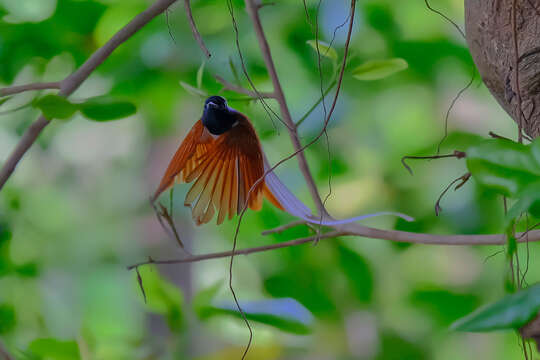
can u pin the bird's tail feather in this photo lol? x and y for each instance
(291, 204)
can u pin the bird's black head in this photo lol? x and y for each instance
(217, 116)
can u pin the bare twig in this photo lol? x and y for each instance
(282, 228)
(363, 232)
(194, 30)
(141, 285)
(284, 109)
(497, 136)
(516, 71)
(463, 178)
(29, 87)
(73, 81)
(457, 154)
(236, 88)
(454, 100)
(462, 33)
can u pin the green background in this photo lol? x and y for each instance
(76, 214)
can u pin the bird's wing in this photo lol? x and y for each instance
(222, 180)
(189, 155)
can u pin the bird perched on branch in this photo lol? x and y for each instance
(223, 157)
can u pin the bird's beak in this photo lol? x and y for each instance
(212, 105)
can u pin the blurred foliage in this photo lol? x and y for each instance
(76, 211)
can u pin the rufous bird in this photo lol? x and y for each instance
(223, 157)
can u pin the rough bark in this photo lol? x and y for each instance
(489, 30)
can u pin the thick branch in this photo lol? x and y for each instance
(29, 87)
(252, 10)
(366, 232)
(73, 81)
(232, 87)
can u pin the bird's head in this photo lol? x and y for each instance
(217, 116)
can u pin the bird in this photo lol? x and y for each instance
(223, 157)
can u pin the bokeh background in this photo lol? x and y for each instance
(76, 214)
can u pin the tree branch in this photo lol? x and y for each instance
(73, 81)
(360, 231)
(252, 10)
(232, 87)
(194, 30)
(29, 87)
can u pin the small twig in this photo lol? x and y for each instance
(163, 213)
(140, 281)
(497, 136)
(457, 154)
(29, 87)
(236, 88)
(446, 18)
(194, 30)
(314, 106)
(282, 228)
(454, 100)
(516, 71)
(4, 354)
(463, 178)
(526, 233)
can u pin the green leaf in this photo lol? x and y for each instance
(106, 109)
(162, 297)
(504, 166)
(193, 90)
(200, 73)
(285, 314)
(324, 49)
(202, 302)
(55, 349)
(379, 69)
(5, 260)
(445, 306)
(511, 312)
(55, 107)
(7, 318)
(3, 100)
(528, 201)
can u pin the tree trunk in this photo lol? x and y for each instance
(489, 29)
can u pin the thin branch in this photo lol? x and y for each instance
(194, 30)
(457, 154)
(73, 81)
(461, 32)
(29, 87)
(284, 109)
(236, 88)
(464, 178)
(361, 232)
(314, 106)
